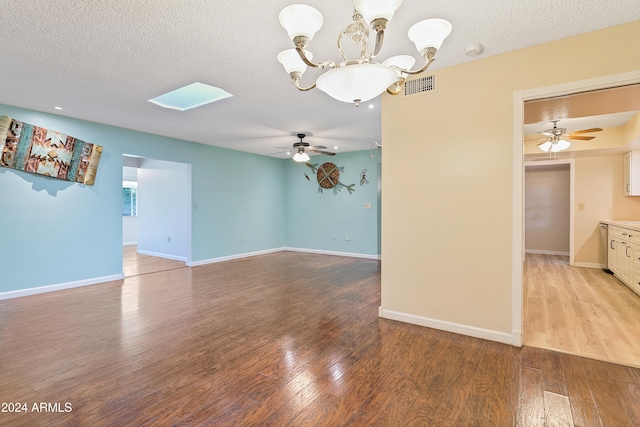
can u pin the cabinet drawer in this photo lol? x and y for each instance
(636, 237)
(618, 232)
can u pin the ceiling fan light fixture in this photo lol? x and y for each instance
(561, 145)
(301, 157)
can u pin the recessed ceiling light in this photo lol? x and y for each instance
(58, 108)
(335, 148)
(371, 106)
(190, 96)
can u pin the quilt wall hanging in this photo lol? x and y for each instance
(46, 152)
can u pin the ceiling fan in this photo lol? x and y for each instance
(556, 139)
(302, 148)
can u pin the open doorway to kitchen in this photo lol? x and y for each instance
(568, 303)
(156, 200)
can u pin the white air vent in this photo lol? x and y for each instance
(420, 86)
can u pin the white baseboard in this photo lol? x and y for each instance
(160, 255)
(52, 288)
(589, 265)
(515, 339)
(323, 252)
(129, 243)
(545, 252)
(231, 257)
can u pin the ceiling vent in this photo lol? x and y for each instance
(423, 85)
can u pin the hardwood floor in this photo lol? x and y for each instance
(580, 311)
(134, 263)
(285, 339)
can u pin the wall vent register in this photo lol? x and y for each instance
(421, 85)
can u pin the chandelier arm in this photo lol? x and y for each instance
(295, 79)
(396, 88)
(413, 72)
(303, 89)
(379, 41)
(306, 60)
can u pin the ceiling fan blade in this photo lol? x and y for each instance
(316, 147)
(536, 139)
(537, 145)
(585, 131)
(279, 152)
(582, 138)
(284, 148)
(326, 153)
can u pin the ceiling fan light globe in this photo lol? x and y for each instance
(429, 33)
(291, 61)
(546, 146)
(374, 9)
(561, 145)
(301, 20)
(304, 157)
(297, 157)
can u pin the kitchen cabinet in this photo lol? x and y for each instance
(632, 173)
(624, 255)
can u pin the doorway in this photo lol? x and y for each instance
(521, 269)
(157, 221)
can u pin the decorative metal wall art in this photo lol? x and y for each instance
(328, 176)
(45, 152)
(363, 177)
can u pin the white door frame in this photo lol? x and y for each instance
(517, 245)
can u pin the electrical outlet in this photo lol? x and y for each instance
(334, 237)
(242, 238)
(169, 239)
(367, 205)
(347, 237)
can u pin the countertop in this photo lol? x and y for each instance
(632, 225)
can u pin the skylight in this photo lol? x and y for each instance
(190, 96)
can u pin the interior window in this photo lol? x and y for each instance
(129, 198)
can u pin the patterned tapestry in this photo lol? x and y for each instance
(38, 150)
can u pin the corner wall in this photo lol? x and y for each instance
(447, 220)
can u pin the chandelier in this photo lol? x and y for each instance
(361, 79)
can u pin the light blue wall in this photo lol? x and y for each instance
(314, 219)
(57, 232)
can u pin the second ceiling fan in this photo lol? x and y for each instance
(302, 148)
(556, 139)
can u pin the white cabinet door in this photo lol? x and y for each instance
(632, 173)
(612, 253)
(625, 267)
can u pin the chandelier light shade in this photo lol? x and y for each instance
(358, 81)
(377, 9)
(429, 33)
(301, 20)
(291, 61)
(363, 78)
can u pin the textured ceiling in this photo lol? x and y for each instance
(102, 61)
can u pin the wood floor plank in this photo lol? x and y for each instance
(261, 341)
(580, 311)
